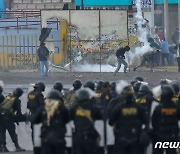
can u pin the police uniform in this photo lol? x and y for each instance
(35, 101)
(145, 99)
(1, 95)
(71, 99)
(127, 119)
(8, 110)
(176, 99)
(165, 121)
(84, 114)
(53, 115)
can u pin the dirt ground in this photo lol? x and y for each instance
(27, 77)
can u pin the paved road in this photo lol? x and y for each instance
(28, 152)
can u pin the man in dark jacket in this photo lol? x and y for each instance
(9, 109)
(121, 58)
(43, 54)
(127, 119)
(149, 56)
(54, 116)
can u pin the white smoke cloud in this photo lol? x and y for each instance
(120, 86)
(142, 35)
(1, 83)
(95, 68)
(157, 91)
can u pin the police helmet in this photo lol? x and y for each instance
(99, 86)
(90, 85)
(77, 84)
(128, 93)
(82, 95)
(164, 81)
(143, 90)
(175, 86)
(18, 92)
(113, 86)
(136, 87)
(167, 92)
(1, 89)
(138, 78)
(40, 85)
(106, 85)
(58, 86)
(54, 94)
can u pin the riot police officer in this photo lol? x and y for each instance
(176, 97)
(165, 121)
(59, 86)
(53, 115)
(35, 97)
(127, 119)
(71, 99)
(144, 99)
(1, 95)
(84, 114)
(90, 85)
(35, 101)
(98, 91)
(9, 108)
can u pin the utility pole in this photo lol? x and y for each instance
(152, 16)
(166, 19)
(82, 5)
(179, 18)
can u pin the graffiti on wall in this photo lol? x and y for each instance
(93, 45)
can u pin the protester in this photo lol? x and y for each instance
(43, 54)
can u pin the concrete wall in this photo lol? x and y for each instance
(39, 4)
(87, 22)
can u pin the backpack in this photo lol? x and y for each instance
(8, 103)
(32, 103)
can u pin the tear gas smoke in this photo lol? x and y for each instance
(91, 93)
(142, 35)
(1, 83)
(157, 91)
(120, 86)
(94, 68)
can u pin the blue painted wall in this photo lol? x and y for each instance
(115, 2)
(2, 8)
(104, 2)
(169, 1)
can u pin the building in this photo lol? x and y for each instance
(40, 4)
(153, 10)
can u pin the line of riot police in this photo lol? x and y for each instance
(139, 116)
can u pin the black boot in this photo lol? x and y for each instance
(18, 148)
(3, 148)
